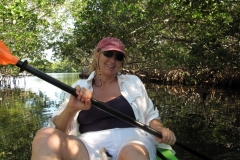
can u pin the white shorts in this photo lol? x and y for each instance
(113, 140)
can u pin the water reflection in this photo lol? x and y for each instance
(25, 106)
(205, 119)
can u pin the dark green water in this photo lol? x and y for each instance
(205, 119)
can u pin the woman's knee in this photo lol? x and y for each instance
(46, 135)
(63, 145)
(132, 150)
(45, 132)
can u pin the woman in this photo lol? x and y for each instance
(99, 130)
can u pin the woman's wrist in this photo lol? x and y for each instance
(70, 111)
(156, 124)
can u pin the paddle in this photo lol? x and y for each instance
(7, 58)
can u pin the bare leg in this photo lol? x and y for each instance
(52, 144)
(133, 151)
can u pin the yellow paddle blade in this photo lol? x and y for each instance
(6, 56)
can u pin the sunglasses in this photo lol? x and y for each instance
(118, 56)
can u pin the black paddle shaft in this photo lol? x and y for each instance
(100, 105)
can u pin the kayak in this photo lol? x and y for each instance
(165, 154)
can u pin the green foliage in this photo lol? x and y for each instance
(26, 27)
(17, 119)
(196, 36)
(193, 35)
(63, 67)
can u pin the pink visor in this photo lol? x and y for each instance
(111, 43)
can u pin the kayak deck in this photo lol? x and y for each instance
(165, 154)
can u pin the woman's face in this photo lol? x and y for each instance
(110, 62)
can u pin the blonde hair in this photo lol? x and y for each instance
(93, 66)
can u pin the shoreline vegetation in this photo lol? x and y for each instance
(207, 78)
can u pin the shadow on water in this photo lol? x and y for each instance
(205, 119)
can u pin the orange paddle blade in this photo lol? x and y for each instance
(6, 56)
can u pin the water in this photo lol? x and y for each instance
(205, 119)
(25, 106)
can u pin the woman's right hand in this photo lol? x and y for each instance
(82, 101)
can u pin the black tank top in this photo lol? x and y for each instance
(95, 119)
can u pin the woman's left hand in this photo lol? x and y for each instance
(168, 137)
